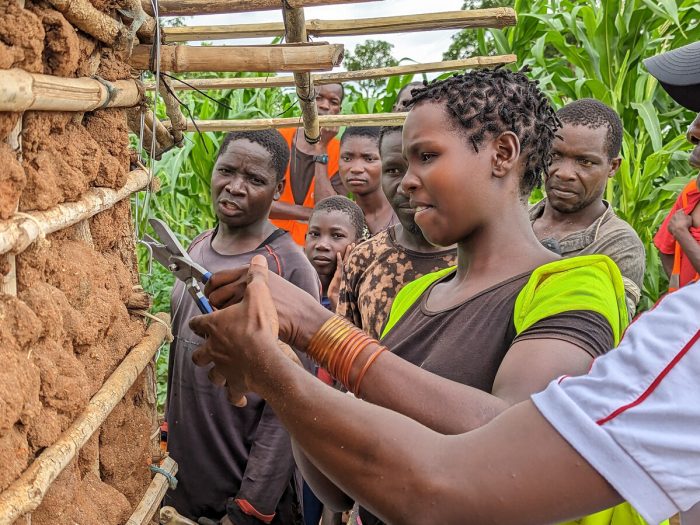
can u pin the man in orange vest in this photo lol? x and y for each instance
(313, 168)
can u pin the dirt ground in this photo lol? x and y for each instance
(69, 328)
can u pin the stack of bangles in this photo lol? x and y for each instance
(336, 347)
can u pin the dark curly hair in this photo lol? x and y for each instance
(492, 101)
(270, 139)
(370, 132)
(346, 206)
(594, 114)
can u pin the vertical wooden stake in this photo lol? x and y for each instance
(8, 285)
(295, 31)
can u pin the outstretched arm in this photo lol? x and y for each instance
(397, 468)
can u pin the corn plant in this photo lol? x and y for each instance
(595, 48)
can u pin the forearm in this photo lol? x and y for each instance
(322, 186)
(406, 473)
(285, 211)
(324, 489)
(690, 247)
(337, 434)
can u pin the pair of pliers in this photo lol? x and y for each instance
(168, 251)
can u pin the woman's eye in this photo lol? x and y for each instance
(339, 236)
(427, 156)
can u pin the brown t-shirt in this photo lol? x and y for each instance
(376, 271)
(468, 342)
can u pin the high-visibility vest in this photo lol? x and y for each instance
(674, 281)
(297, 229)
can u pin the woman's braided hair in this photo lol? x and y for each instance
(492, 101)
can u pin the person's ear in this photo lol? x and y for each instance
(279, 189)
(506, 153)
(614, 166)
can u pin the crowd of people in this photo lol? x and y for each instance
(398, 332)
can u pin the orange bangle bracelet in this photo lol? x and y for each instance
(352, 356)
(337, 360)
(362, 373)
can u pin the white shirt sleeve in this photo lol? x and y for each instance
(635, 417)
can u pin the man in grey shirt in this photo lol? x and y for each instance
(574, 218)
(234, 463)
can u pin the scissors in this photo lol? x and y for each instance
(168, 251)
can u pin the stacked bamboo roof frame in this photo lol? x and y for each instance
(21, 91)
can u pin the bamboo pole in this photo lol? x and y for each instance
(26, 493)
(372, 119)
(491, 18)
(164, 140)
(8, 282)
(341, 76)
(295, 31)
(178, 122)
(22, 91)
(150, 502)
(209, 7)
(85, 17)
(317, 56)
(18, 233)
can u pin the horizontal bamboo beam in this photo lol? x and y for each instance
(17, 233)
(317, 56)
(150, 502)
(213, 7)
(329, 121)
(341, 76)
(22, 91)
(492, 18)
(26, 493)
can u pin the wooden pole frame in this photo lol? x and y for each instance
(496, 18)
(27, 492)
(330, 121)
(22, 91)
(16, 234)
(341, 76)
(317, 56)
(150, 502)
(295, 31)
(213, 7)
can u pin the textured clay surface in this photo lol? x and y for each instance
(68, 328)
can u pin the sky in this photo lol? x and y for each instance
(421, 47)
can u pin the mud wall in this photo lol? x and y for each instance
(68, 326)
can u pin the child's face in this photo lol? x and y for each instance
(360, 166)
(330, 232)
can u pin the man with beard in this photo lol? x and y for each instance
(377, 269)
(574, 216)
(312, 174)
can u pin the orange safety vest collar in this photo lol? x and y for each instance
(298, 229)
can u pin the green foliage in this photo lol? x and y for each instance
(370, 55)
(465, 43)
(595, 48)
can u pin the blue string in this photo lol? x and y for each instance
(172, 480)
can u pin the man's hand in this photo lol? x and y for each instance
(679, 224)
(299, 315)
(239, 338)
